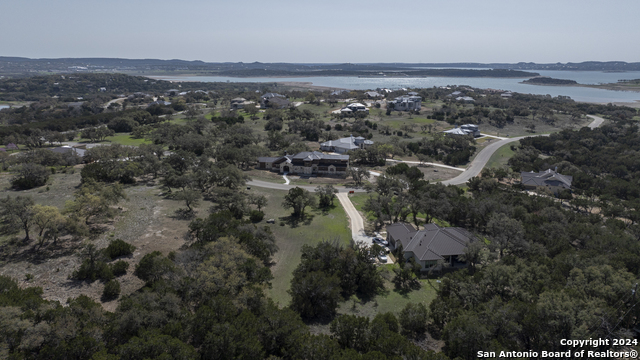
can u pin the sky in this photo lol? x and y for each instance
(328, 31)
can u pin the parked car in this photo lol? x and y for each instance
(382, 257)
(380, 240)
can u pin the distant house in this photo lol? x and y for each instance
(351, 109)
(549, 179)
(160, 102)
(406, 103)
(468, 99)
(455, 94)
(172, 92)
(238, 103)
(373, 94)
(12, 146)
(431, 244)
(506, 95)
(343, 145)
(307, 163)
(467, 129)
(274, 102)
(66, 149)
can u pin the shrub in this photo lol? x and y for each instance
(256, 216)
(93, 272)
(118, 248)
(111, 290)
(119, 268)
(30, 175)
(413, 319)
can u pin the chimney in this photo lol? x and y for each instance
(556, 169)
(285, 153)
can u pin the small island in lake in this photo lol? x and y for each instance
(545, 80)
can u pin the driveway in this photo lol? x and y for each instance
(357, 223)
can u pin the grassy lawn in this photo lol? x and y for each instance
(291, 237)
(126, 139)
(501, 156)
(391, 299)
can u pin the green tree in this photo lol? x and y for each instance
(17, 213)
(506, 234)
(413, 319)
(153, 267)
(298, 199)
(30, 175)
(48, 221)
(326, 195)
(358, 174)
(314, 294)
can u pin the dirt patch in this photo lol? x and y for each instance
(146, 221)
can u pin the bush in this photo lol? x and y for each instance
(118, 248)
(30, 175)
(413, 319)
(256, 216)
(99, 270)
(111, 290)
(119, 268)
(152, 267)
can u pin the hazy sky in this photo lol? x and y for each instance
(324, 31)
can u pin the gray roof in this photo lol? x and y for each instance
(267, 159)
(546, 178)
(271, 95)
(67, 149)
(433, 242)
(316, 155)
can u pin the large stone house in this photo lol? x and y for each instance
(405, 103)
(549, 179)
(307, 163)
(431, 244)
(343, 145)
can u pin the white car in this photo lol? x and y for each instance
(382, 257)
(381, 241)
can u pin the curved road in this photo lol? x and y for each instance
(483, 156)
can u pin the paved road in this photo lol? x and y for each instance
(427, 163)
(597, 121)
(483, 156)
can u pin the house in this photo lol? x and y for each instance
(238, 103)
(352, 109)
(549, 179)
(373, 94)
(406, 103)
(160, 102)
(275, 102)
(271, 95)
(467, 129)
(506, 95)
(455, 93)
(66, 149)
(467, 99)
(12, 146)
(343, 145)
(307, 163)
(431, 244)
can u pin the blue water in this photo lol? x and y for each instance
(4, 107)
(576, 93)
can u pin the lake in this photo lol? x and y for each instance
(4, 107)
(575, 92)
